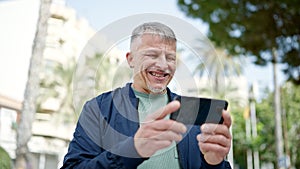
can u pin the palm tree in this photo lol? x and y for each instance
(102, 71)
(98, 74)
(23, 157)
(109, 72)
(56, 84)
(218, 64)
(72, 84)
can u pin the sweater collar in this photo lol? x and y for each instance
(130, 91)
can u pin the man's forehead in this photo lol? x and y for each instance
(155, 38)
(152, 39)
(158, 35)
(156, 50)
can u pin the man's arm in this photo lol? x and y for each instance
(86, 150)
(83, 153)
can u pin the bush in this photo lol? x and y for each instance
(5, 161)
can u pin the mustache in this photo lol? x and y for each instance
(159, 70)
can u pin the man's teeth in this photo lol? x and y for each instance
(157, 74)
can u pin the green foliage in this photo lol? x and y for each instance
(218, 64)
(97, 74)
(5, 161)
(265, 130)
(107, 73)
(101, 67)
(265, 140)
(256, 28)
(56, 83)
(72, 83)
(240, 144)
(291, 108)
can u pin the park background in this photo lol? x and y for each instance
(73, 23)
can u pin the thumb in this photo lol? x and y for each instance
(164, 111)
(227, 118)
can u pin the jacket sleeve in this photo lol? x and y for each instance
(85, 150)
(223, 165)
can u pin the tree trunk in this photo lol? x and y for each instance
(278, 125)
(23, 156)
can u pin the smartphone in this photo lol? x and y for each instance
(196, 110)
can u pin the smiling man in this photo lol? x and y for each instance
(153, 57)
(129, 127)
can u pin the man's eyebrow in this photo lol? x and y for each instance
(171, 53)
(152, 50)
(156, 51)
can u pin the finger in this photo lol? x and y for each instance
(210, 147)
(164, 111)
(214, 139)
(227, 118)
(162, 135)
(170, 125)
(168, 135)
(165, 125)
(147, 147)
(213, 129)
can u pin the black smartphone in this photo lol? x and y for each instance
(196, 110)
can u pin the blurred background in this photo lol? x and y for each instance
(254, 64)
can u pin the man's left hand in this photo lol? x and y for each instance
(215, 140)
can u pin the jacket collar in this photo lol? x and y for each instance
(131, 94)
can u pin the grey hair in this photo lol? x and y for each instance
(154, 28)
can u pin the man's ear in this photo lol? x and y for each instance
(129, 59)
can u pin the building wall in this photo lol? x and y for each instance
(67, 36)
(8, 121)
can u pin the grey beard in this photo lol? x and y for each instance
(156, 90)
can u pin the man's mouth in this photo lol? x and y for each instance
(158, 74)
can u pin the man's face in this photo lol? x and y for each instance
(154, 62)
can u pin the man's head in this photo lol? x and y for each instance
(152, 56)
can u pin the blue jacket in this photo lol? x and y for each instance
(104, 136)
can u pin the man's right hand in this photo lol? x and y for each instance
(156, 133)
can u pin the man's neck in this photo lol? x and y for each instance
(148, 91)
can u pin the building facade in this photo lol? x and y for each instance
(67, 35)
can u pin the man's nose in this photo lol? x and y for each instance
(162, 61)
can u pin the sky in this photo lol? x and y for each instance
(101, 14)
(17, 33)
(16, 37)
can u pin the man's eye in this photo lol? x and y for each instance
(171, 58)
(151, 55)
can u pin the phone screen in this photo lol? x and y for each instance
(196, 111)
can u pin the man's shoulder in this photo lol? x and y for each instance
(172, 94)
(116, 92)
(102, 102)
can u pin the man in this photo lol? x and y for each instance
(130, 127)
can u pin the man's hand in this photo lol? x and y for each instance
(215, 140)
(157, 133)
